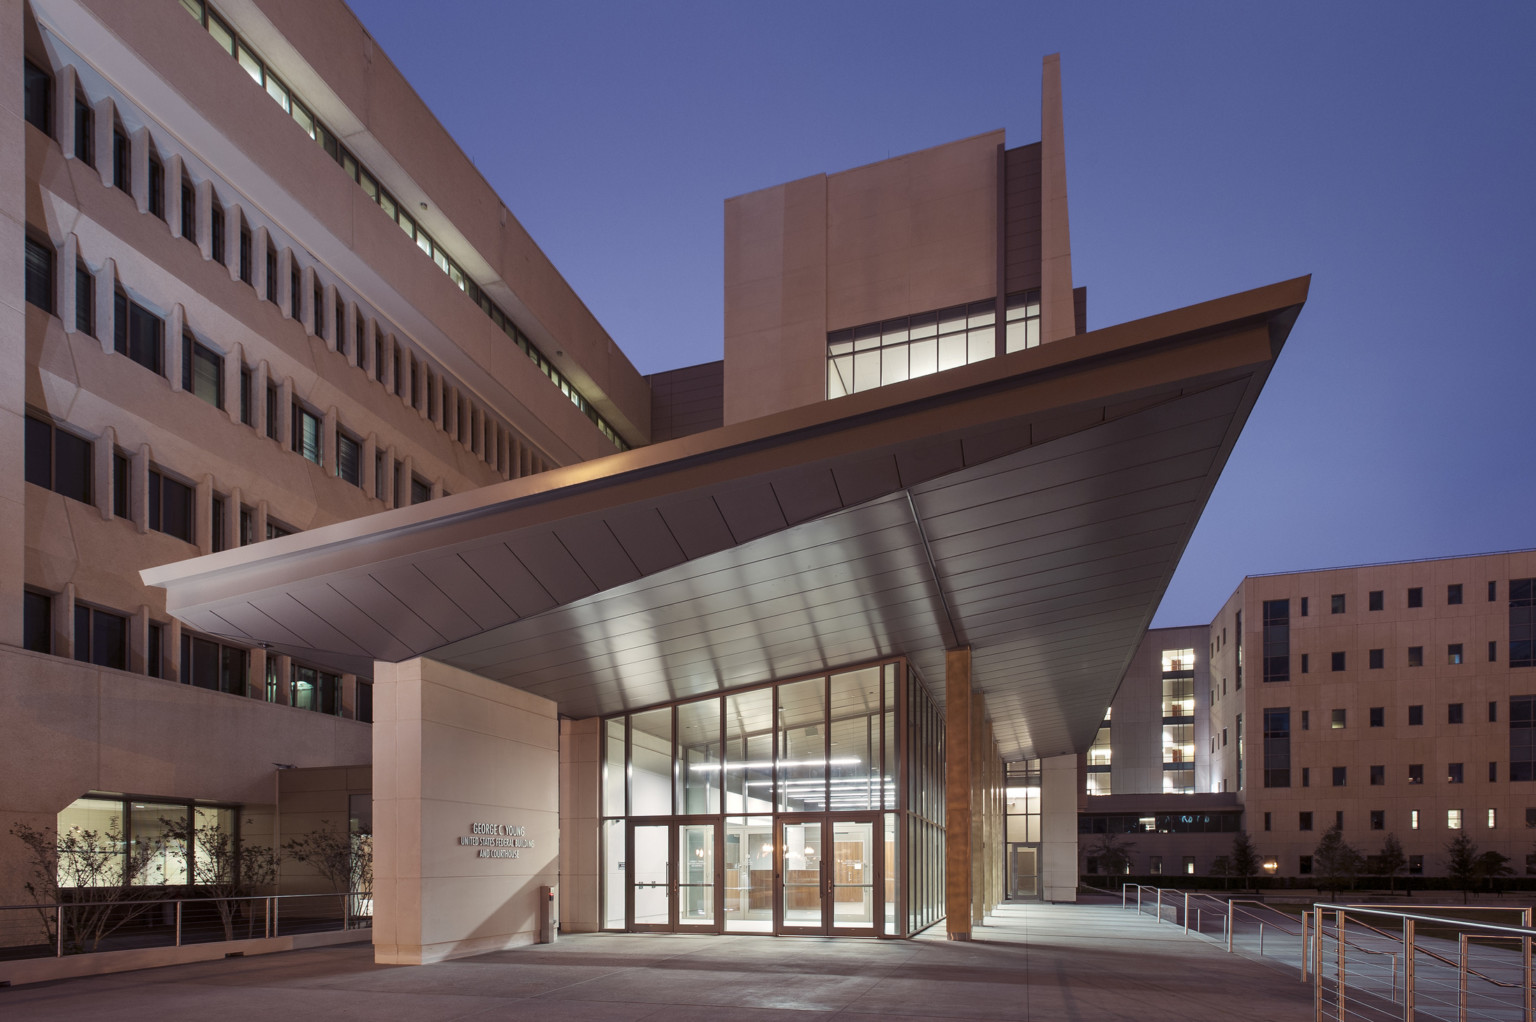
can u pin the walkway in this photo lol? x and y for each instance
(1068, 962)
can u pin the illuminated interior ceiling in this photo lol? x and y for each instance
(1032, 506)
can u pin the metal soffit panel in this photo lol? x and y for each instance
(1052, 496)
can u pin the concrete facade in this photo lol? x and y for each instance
(408, 386)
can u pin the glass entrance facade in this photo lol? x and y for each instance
(799, 806)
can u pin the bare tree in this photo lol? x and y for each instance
(224, 868)
(86, 881)
(344, 857)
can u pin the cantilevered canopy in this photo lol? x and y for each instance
(1032, 506)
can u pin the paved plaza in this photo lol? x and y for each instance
(1032, 961)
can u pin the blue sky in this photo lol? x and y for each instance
(1387, 149)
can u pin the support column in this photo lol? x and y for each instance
(1058, 318)
(1058, 827)
(958, 792)
(465, 812)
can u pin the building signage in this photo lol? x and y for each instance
(496, 840)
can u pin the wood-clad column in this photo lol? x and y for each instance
(959, 759)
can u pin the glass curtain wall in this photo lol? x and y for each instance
(823, 746)
(924, 756)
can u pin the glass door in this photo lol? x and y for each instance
(800, 877)
(696, 909)
(1026, 874)
(650, 877)
(829, 875)
(672, 881)
(851, 875)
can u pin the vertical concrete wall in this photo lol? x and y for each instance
(1058, 316)
(580, 782)
(13, 321)
(902, 236)
(465, 778)
(1058, 827)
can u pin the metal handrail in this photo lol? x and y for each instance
(1465, 931)
(35, 905)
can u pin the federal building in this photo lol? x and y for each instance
(328, 499)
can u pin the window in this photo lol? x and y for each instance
(1453, 819)
(1338, 819)
(154, 655)
(421, 492)
(1374, 601)
(1378, 716)
(1267, 821)
(1415, 715)
(247, 401)
(138, 333)
(1415, 656)
(1304, 608)
(188, 210)
(1189, 864)
(122, 165)
(1493, 712)
(1493, 651)
(1277, 640)
(317, 310)
(1493, 772)
(1415, 773)
(1377, 659)
(1415, 865)
(1522, 738)
(202, 371)
(121, 505)
(1304, 864)
(245, 254)
(277, 530)
(209, 664)
(1306, 663)
(381, 473)
(1340, 776)
(348, 459)
(1305, 821)
(271, 274)
(1493, 818)
(314, 689)
(1413, 819)
(1378, 774)
(1453, 714)
(1337, 661)
(39, 274)
(1522, 622)
(365, 701)
(85, 133)
(272, 399)
(360, 344)
(1277, 748)
(1306, 720)
(1493, 591)
(216, 231)
(219, 523)
(170, 506)
(1453, 653)
(1336, 603)
(1416, 597)
(37, 96)
(156, 185)
(85, 300)
(293, 289)
(1453, 594)
(1338, 719)
(1378, 819)
(101, 637)
(57, 460)
(1453, 773)
(37, 621)
(1306, 777)
(306, 433)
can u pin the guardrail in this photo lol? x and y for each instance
(1239, 925)
(1451, 968)
(87, 927)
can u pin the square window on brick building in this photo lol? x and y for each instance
(1338, 661)
(1453, 653)
(1336, 603)
(1378, 659)
(1416, 597)
(1415, 716)
(1415, 773)
(1375, 599)
(1378, 716)
(1415, 656)
(1340, 776)
(1378, 774)
(1453, 594)
(1378, 819)
(1453, 713)
(1453, 773)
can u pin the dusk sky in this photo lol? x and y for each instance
(1389, 150)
